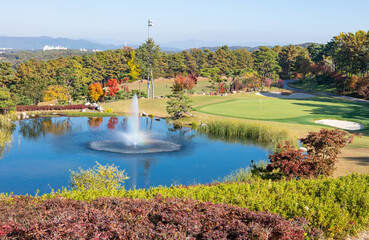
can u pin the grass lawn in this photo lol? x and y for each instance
(162, 86)
(302, 111)
(324, 88)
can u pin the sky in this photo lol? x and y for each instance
(232, 21)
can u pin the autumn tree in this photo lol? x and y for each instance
(134, 68)
(95, 91)
(113, 87)
(55, 92)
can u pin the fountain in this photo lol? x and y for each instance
(134, 141)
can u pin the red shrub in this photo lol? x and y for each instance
(122, 218)
(323, 148)
(25, 108)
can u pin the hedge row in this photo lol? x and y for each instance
(337, 206)
(23, 108)
(124, 218)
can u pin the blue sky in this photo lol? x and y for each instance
(231, 21)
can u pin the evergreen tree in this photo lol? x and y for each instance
(266, 62)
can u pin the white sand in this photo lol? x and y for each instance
(347, 125)
(279, 95)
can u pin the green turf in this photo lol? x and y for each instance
(163, 88)
(302, 111)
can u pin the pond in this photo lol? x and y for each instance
(44, 150)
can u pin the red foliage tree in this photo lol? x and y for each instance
(113, 87)
(222, 88)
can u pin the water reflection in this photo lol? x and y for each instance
(113, 121)
(36, 127)
(94, 122)
(6, 136)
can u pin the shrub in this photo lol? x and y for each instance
(122, 218)
(25, 108)
(100, 177)
(323, 148)
(291, 163)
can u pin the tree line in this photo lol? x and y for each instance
(343, 61)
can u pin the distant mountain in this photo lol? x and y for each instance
(38, 43)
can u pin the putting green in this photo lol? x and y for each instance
(280, 109)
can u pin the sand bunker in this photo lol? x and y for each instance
(347, 125)
(279, 95)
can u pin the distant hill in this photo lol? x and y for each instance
(37, 43)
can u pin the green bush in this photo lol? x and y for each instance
(98, 178)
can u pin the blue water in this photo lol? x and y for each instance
(44, 151)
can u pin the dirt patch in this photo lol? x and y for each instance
(353, 161)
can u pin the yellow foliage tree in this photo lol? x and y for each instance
(95, 91)
(135, 71)
(55, 92)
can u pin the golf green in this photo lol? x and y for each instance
(279, 109)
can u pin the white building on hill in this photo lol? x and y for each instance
(47, 48)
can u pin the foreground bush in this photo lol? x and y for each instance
(122, 218)
(323, 148)
(337, 206)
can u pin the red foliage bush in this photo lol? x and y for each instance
(268, 82)
(122, 218)
(25, 108)
(279, 83)
(290, 162)
(323, 148)
(181, 83)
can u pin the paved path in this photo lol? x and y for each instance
(286, 82)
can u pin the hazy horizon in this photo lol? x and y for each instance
(233, 23)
